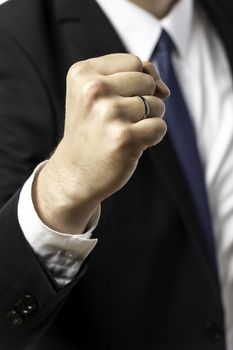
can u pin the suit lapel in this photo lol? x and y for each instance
(221, 13)
(85, 32)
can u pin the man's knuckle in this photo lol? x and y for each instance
(149, 65)
(117, 133)
(122, 138)
(94, 89)
(76, 69)
(150, 83)
(160, 107)
(107, 109)
(136, 63)
(72, 70)
(114, 109)
(160, 129)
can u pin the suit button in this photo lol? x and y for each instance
(26, 307)
(214, 331)
(14, 318)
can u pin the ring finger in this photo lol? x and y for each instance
(135, 110)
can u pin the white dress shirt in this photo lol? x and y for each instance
(205, 77)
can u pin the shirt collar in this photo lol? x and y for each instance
(139, 30)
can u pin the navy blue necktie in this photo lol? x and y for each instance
(182, 135)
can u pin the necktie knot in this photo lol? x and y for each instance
(165, 43)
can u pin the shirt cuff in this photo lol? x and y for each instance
(62, 253)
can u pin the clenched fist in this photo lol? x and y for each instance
(105, 135)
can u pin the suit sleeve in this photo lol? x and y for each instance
(29, 298)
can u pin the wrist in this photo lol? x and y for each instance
(59, 202)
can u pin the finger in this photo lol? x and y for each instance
(114, 63)
(129, 84)
(149, 68)
(156, 107)
(161, 91)
(150, 131)
(133, 110)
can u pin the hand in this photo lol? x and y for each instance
(104, 137)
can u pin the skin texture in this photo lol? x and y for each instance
(158, 8)
(104, 137)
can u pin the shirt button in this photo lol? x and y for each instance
(14, 318)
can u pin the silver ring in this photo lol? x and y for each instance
(146, 106)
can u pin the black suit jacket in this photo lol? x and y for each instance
(149, 284)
